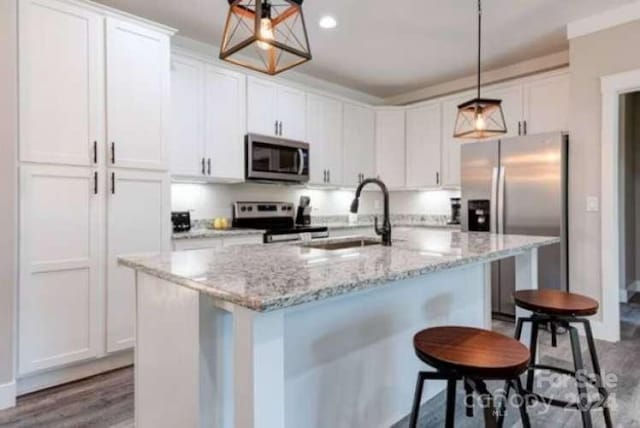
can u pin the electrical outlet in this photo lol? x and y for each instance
(593, 204)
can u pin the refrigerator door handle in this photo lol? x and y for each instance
(500, 219)
(493, 215)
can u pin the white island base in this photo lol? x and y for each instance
(346, 361)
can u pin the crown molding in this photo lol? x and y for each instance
(602, 21)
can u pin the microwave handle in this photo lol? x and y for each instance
(301, 166)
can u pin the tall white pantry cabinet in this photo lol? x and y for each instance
(94, 105)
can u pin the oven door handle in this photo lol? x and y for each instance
(301, 166)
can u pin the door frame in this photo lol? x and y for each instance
(612, 87)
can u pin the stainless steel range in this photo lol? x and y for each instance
(277, 219)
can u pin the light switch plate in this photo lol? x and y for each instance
(593, 204)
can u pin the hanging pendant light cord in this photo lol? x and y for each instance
(479, 41)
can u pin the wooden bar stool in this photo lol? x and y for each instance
(471, 355)
(560, 309)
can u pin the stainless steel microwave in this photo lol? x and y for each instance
(276, 159)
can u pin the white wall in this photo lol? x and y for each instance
(214, 200)
(591, 57)
(8, 182)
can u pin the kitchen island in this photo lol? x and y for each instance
(305, 335)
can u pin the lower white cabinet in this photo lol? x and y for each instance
(137, 222)
(60, 253)
(390, 147)
(359, 144)
(213, 243)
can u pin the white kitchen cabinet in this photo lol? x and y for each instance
(276, 110)
(60, 256)
(390, 147)
(225, 107)
(292, 113)
(138, 97)
(138, 206)
(186, 141)
(262, 107)
(511, 96)
(546, 104)
(325, 139)
(359, 144)
(424, 139)
(61, 89)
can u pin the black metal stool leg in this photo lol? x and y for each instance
(417, 398)
(451, 403)
(596, 368)
(583, 398)
(533, 348)
(518, 334)
(502, 411)
(468, 399)
(490, 420)
(524, 416)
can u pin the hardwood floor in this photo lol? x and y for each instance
(101, 401)
(106, 400)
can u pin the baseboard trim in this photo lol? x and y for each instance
(60, 376)
(600, 332)
(7, 395)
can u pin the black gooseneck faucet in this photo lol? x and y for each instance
(385, 230)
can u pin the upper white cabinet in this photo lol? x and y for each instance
(546, 104)
(325, 139)
(186, 136)
(137, 222)
(224, 123)
(511, 96)
(390, 147)
(276, 110)
(451, 147)
(138, 84)
(424, 139)
(61, 82)
(358, 139)
(207, 120)
(60, 253)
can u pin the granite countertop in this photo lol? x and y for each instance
(276, 276)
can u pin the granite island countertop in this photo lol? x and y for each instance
(276, 276)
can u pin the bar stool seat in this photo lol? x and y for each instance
(472, 352)
(554, 302)
(471, 355)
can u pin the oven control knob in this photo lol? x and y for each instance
(243, 209)
(250, 208)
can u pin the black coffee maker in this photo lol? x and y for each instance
(303, 217)
(456, 207)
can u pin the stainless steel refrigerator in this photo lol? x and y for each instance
(519, 186)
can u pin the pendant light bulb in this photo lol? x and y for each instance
(266, 33)
(480, 124)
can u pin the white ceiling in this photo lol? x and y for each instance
(386, 47)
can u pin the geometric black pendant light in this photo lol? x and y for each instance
(480, 118)
(269, 36)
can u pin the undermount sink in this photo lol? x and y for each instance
(343, 244)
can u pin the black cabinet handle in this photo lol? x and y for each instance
(113, 153)
(95, 182)
(437, 178)
(280, 129)
(276, 130)
(519, 128)
(113, 183)
(203, 171)
(209, 166)
(95, 152)
(329, 176)
(524, 127)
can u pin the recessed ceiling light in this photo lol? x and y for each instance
(328, 22)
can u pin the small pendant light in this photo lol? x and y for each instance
(268, 36)
(480, 118)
